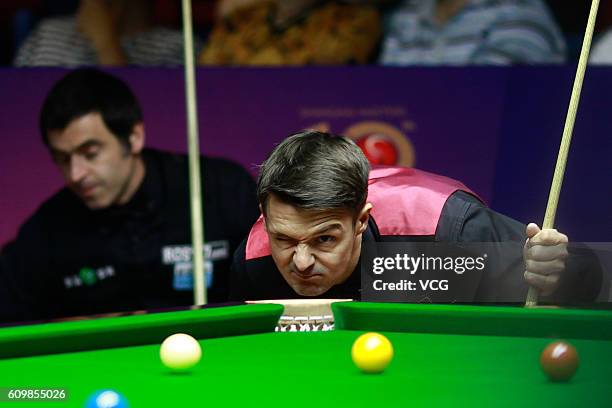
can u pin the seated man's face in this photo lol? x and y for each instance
(313, 250)
(94, 164)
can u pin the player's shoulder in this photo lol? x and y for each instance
(151, 155)
(464, 198)
(461, 206)
(223, 165)
(169, 166)
(54, 213)
(216, 165)
(466, 218)
(64, 203)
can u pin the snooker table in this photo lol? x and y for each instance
(445, 355)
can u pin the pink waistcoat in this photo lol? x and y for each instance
(405, 201)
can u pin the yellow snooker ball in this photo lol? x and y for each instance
(372, 352)
(180, 352)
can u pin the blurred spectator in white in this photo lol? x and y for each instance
(105, 32)
(461, 32)
(602, 49)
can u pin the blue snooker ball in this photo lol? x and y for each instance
(106, 399)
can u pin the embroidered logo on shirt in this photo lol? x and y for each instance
(183, 275)
(88, 276)
(213, 251)
(180, 256)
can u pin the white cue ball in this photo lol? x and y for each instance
(180, 352)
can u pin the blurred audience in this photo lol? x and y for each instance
(297, 32)
(293, 32)
(105, 32)
(461, 32)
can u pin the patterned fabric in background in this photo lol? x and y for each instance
(329, 34)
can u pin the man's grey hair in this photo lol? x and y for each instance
(315, 171)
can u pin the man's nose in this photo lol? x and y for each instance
(77, 169)
(302, 257)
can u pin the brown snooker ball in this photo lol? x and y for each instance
(559, 360)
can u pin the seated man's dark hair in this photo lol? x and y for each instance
(315, 170)
(89, 90)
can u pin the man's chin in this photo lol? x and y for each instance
(94, 204)
(309, 290)
(97, 201)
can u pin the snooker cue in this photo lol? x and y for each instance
(555, 188)
(197, 225)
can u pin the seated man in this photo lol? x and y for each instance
(320, 202)
(471, 32)
(104, 32)
(118, 236)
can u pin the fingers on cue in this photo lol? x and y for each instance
(532, 229)
(546, 253)
(547, 237)
(545, 283)
(544, 268)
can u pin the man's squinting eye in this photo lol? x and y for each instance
(326, 239)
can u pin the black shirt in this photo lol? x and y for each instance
(70, 260)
